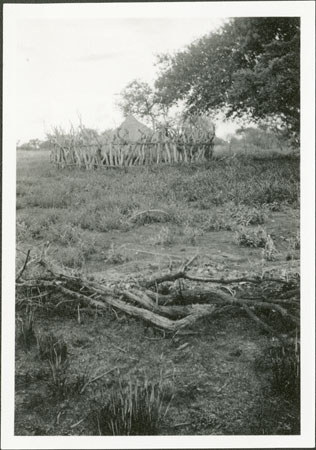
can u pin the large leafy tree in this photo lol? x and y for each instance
(248, 68)
(138, 98)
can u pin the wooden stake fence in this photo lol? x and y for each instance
(127, 153)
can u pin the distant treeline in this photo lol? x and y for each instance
(34, 144)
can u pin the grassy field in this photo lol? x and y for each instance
(240, 215)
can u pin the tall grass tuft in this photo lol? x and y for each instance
(133, 410)
(26, 335)
(55, 351)
(51, 347)
(286, 369)
(283, 363)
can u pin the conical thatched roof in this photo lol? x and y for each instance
(129, 129)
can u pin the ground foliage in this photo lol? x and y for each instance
(116, 229)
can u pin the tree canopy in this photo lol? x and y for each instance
(249, 67)
(138, 98)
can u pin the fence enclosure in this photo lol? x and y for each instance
(87, 150)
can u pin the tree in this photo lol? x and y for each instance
(249, 67)
(139, 99)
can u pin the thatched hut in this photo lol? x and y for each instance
(132, 130)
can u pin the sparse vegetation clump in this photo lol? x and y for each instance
(191, 233)
(283, 362)
(295, 242)
(61, 383)
(286, 370)
(269, 252)
(116, 256)
(52, 348)
(252, 237)
(134, 409)
(232, 216)
(164, 237)
(54, 351)
(245, 215)
(25, 334)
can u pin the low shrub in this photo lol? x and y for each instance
(96, 218)
(65, 234)
(245, 215)
(257, 237)
(233, 216)
(218, 222)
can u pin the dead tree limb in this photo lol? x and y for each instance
(196, 311)
(169, 312)
(163, 278)
(232, 280)
(24, 266)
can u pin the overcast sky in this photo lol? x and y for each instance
(76, 67)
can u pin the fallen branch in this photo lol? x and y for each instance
(195, 312)
(172, 312)
(182, 274)
(24, 266)
(232, 280)
(163, 278)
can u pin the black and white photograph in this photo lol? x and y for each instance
(158, 225)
